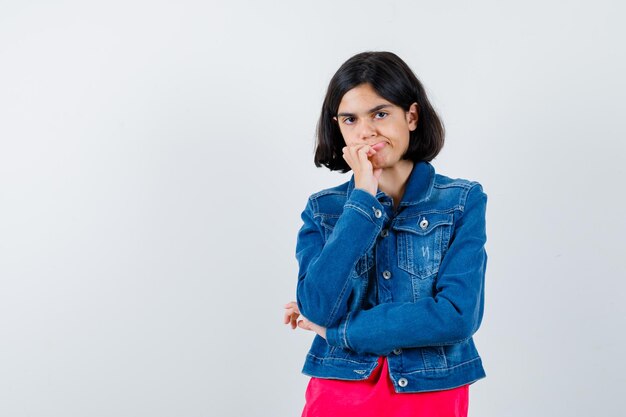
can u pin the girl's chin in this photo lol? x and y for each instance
(383, 163)
(378, 162)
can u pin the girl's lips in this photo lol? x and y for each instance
(378, 146)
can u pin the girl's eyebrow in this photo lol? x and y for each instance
(375, 109)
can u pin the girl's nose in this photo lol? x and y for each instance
(367, 129)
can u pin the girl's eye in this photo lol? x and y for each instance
(381, 115)
(348, 120)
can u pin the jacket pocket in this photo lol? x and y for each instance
(425, 358)
(365, 262)
(421, 241)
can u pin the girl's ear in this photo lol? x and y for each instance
(412, 117)
(335, 118)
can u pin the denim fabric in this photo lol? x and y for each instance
(407, 284)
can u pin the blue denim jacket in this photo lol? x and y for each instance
(407, 284)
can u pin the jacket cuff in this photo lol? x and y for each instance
(366, 204)
(337, 335)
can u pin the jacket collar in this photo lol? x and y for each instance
(419, 184)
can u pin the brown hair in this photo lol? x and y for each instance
(393, 80)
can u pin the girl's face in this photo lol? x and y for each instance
(364, 117)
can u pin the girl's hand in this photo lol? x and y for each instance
(309, 325)
(291, 316)
(365, 176)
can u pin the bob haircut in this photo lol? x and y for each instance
(393, 80)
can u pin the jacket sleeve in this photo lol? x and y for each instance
(452, 315)
(325, 268)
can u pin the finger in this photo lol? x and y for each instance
(353, 151)
(291, 304)
(291, 311)
(363, 157)
(295, 307)
(363, 147)
(363, 152)
(347, 157)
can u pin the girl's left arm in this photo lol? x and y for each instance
(452, 315)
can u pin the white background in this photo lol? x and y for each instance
(155, 158)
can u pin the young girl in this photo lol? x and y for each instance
(392, 262)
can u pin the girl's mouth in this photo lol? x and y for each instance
(378, 146)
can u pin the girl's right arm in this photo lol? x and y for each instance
(325, 267)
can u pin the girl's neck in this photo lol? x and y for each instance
(393, 180)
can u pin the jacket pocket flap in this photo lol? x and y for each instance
(423, 224)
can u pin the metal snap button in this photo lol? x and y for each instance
(403, 382)
(384, 233)
(386, 274)
(397, 351)
(424, 223)
(378, 213)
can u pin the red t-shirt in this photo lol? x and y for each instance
(376, 397)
